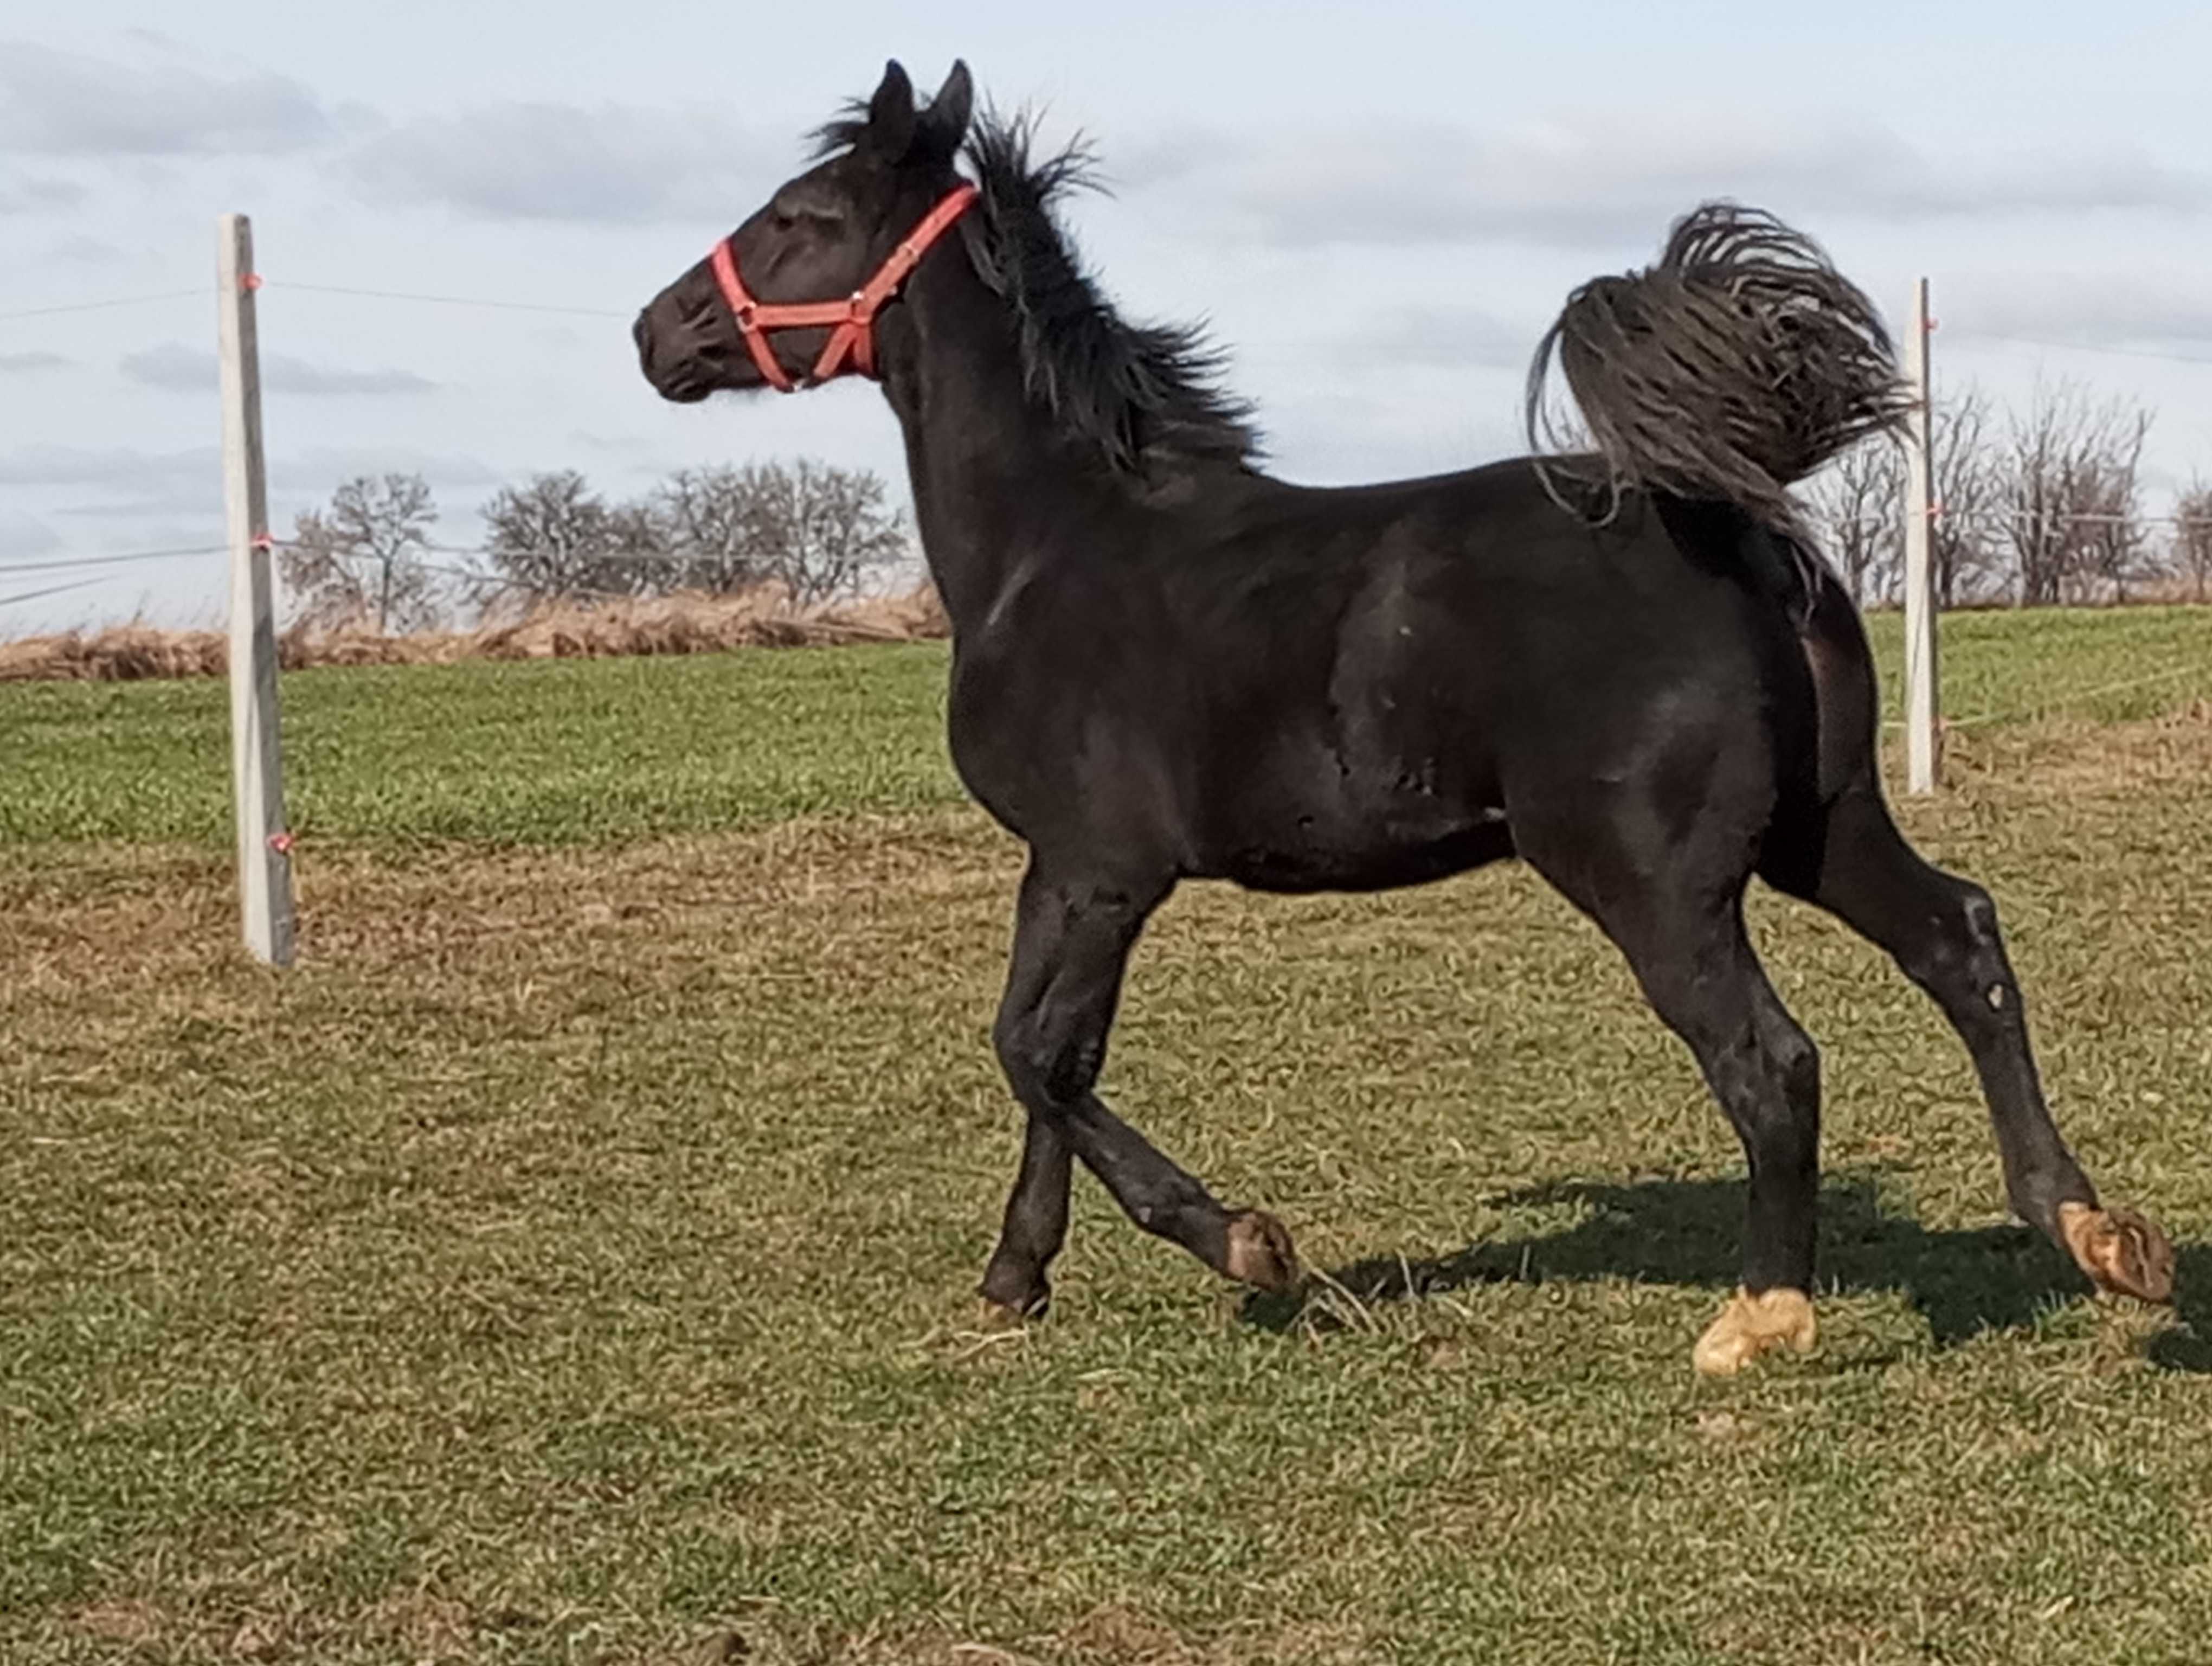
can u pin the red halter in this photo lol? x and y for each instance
(851, 321)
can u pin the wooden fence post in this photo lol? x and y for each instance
(1922, 755)
(257, 762)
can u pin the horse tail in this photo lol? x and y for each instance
(1732, 369)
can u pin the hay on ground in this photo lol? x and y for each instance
(687, 624)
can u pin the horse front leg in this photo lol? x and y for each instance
(1073, 932)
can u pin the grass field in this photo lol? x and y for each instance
(571, 1261)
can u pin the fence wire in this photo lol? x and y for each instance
(482, 580)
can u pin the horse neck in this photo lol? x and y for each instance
(979, 455)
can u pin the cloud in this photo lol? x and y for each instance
(56, 103)
(22, 536)
(1443, 338)
(612, 164)
(1350, 434)
(122, 484)
(88, 250)
(24, 195)
(16, 364)
(115, 466)
(282, 374)
(1606, 180)
(2107, 312)
(173, 366)
(323, 469)
(622, 443)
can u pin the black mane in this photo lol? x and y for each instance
(1134, 392)
(1127, 389)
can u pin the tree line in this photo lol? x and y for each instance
(2040, 506)
(370, 555)
(2036, 506)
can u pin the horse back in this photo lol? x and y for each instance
(1305, 688)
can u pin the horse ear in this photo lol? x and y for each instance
(945, 124)
(891, 115)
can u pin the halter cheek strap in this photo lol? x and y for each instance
(851, 322)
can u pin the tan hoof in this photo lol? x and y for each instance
(2124, 1254)
(1752, 1325)
(1260, 1253)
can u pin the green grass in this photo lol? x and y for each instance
(601, 752)
(544, 752)
(569, 1262)
(2097, 665)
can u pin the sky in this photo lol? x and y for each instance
(1378, 208)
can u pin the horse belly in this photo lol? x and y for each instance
(1372, 763)
(1323, 819)
(1283, 866)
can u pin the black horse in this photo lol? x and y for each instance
(1625, 667)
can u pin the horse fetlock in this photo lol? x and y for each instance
(1013, 1296)
(2123, 1253)
(1750, 1325)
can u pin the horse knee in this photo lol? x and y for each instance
(1047, 1063)
(1797, 1059)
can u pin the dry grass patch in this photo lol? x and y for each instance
(599, 630)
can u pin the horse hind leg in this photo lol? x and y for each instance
(1942, 932)
(1703, 977)
(1674, 910)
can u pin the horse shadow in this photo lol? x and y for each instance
(1964, 1283)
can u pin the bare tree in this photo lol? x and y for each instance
(816, 530)
(826, 529)
(1968, 566)
(360, 560)
(710, 525)
(555, 536)
(813, 529)
(2115, 546)
(1856, 503)
(2192, 538)
(2066, 491)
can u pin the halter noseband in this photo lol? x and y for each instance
(850, 321)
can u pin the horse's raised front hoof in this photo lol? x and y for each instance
(2124, 1254)
(1752, 1325)
(1260, 1252)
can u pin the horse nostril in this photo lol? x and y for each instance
(638, 331)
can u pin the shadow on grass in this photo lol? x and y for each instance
(1689, 1232)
